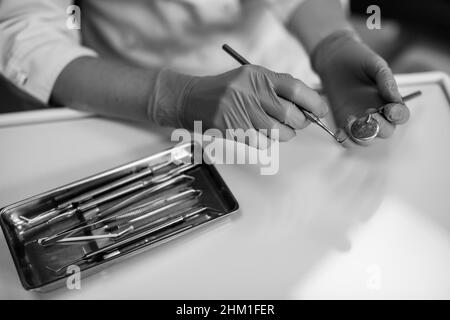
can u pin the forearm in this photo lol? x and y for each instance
(104, 87)
(314, 20)
(118, 90)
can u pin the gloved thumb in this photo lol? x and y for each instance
(378, 70)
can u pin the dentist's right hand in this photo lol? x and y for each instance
(249, 97)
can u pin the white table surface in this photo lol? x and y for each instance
(333, 223)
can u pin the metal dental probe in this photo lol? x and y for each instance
(140, 244)
(123, 191)
(137, 211)
(100, 215)
(97, 236)
(311, 116)
(87, 256)
(408, 97)
(147, 212)
(143, 216)
(412, 95)
(134, 187)
(131, 224)
(148, 240)
(144, 194)
(116, 194)
(41, 218)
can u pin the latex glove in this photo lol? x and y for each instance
(244, 98)
(357, 81)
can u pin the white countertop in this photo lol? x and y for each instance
(368, 223)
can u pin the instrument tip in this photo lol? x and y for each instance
(340, 136)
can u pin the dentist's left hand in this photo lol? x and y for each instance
(358, 81)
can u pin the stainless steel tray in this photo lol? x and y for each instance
(36, 264)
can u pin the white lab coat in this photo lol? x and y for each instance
(185, 35)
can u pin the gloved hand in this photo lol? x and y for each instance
(245, 98)
(357, 81)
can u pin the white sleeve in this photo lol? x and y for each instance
(36, 43)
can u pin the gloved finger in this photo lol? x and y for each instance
(247, 134)
(293, 116)
(283, 132)
(299, 93)
(262, 121)
(396, 113)
(282, 110)
(386, 128)
(343, 136)
(252, 137)
(262, 141)
(378, 70)
(370, 111)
